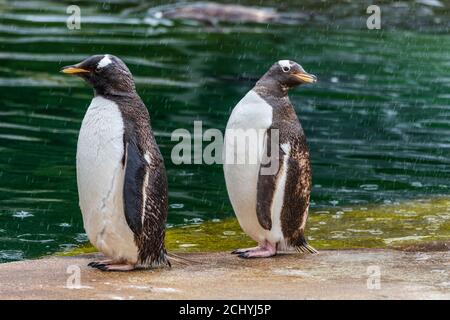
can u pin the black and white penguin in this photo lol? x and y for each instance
(267, 166)
(122, 183)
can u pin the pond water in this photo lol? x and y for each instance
(377, 121)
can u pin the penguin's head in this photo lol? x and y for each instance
(106, 73)
(288, 74)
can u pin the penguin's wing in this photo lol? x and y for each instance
(133, 190)
(145, 191)
(267, 181)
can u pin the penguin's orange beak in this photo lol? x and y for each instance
(73, 70)
(305, 77)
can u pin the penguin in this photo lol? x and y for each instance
(267, 165)
(121, 178)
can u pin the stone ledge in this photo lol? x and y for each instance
(332, 274)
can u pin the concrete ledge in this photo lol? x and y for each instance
(329, 275)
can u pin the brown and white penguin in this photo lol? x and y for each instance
(122, 183)
(271, 206)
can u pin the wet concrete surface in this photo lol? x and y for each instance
(333, 274)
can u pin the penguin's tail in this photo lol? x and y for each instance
(164, 259)
(306, 248)
(301, 245)
(156, 260)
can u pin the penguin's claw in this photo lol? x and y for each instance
(114, 267)
(101, 267)
(94, 264)
(241, 251)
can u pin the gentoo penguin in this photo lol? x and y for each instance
(266, 164)
(122, 183)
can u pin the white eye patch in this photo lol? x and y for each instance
(104, 62)
(285, 65)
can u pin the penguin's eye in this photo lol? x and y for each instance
(286, 69)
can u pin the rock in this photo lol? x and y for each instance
(333, 274)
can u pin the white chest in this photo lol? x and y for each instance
(99, 149)
(99, 155)
(246, 129)
(252, 112)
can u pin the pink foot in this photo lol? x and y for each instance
(265, 251)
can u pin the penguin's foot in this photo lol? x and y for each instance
(94, 264)
(239, 251)
(265, 251)
(115, 267)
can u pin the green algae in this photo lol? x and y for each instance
(391, 225)
(210, 236)
(85, 248)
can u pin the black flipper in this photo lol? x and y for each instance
(267, 183)
(135, 169)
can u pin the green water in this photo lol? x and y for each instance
(378, 121)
